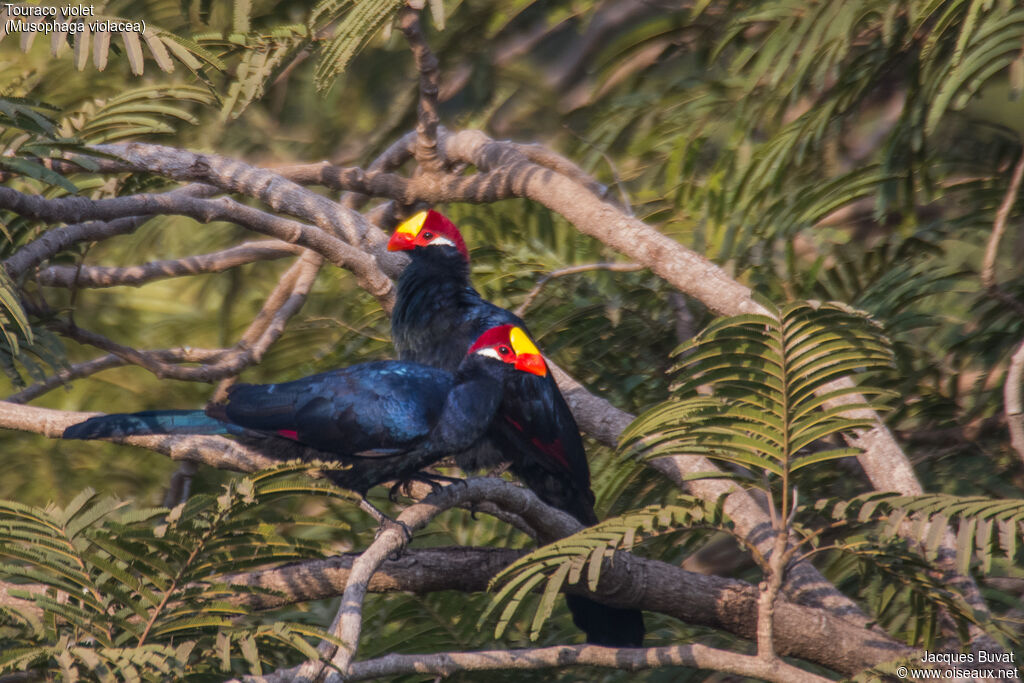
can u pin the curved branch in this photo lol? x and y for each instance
(1012, 399)
(75, 209)
(626, 581)
(136, 276)
(55, 241)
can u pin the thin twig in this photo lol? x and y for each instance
(110, 360)
(988, 268)
(445, 664)
(285, 301)
(572, 270)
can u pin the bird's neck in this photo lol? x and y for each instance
(432, 277)
(432, 292)
(438, 264)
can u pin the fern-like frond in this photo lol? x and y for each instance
(986, 527)
(905, 594)
(581, 555)
(144, 591)
(258, 64)
(93, 34)
(354, 30)
(770, 378)
(138, 111)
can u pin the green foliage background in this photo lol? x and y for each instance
(853, 151)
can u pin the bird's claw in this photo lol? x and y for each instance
(434, 481)
(387, 524)
(395, 525)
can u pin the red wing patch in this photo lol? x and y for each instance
(553, 448)
(289, 434)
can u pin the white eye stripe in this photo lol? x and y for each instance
(442, 242)
(490, 353)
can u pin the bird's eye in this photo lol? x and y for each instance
(428, 235)
(504, 350)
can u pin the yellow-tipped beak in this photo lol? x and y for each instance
(528, 358)
(405, 235)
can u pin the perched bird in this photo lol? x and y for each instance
(437, 316)
(386, 419)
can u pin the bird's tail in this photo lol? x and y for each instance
(147, 423)
(604, 625)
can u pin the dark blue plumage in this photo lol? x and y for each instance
(386, 419)
(437, 316)
(368, 407)
(147, 422)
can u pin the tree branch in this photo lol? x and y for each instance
(76, 209)
(55, 241)
(626, 581)
(1012, 399)
(136, 276)
(91, 367)
(280, 194)
(988, 268)
(445, 664)
(426, 64)
(215, 451)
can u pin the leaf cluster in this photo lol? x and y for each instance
(111, 593)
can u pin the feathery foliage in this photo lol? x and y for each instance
(580, 556)
(111, 593)
(770, 380)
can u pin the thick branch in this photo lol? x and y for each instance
(427, 118)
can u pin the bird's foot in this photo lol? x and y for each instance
(384, 523)
(395, 525)
(431, 479)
